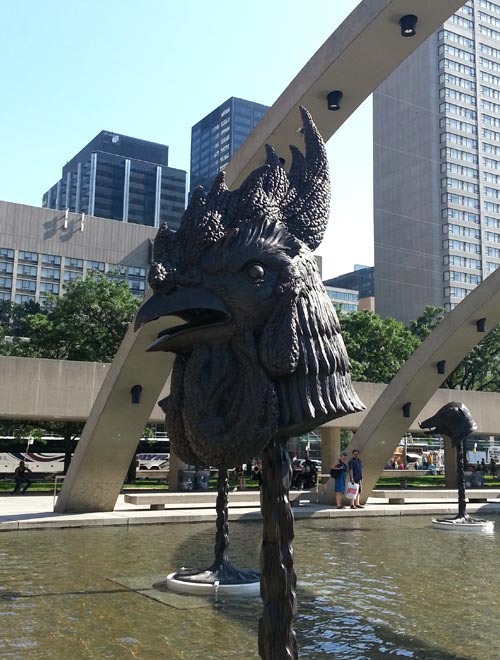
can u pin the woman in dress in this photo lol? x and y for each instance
(339, 472)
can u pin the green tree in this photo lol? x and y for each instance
(425, 324)
(480, 370)
(87, 323)
(14, 333)
(377, 347)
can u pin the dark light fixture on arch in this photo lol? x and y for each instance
(334, 98)
(407, 24)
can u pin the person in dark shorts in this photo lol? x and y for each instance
(339, 473)
(356, 476)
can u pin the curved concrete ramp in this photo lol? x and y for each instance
(363, 51)
(418, 379)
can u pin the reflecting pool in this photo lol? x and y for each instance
(369, 588)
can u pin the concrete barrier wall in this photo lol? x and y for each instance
(37, 389)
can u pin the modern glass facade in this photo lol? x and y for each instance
(121, 178)
(453, 166)
(219, 135)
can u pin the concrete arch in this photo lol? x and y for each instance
(418, 379)
(345, 61)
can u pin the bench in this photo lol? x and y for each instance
(403, 475)
(205, 499)
(474, 495)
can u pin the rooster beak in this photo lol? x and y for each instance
(203, 312)
(177, 302)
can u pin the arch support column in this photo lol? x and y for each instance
(330, 447)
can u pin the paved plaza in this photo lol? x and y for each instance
(21, 512)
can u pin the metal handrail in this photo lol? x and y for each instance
(57, 477)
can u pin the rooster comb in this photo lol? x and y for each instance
(298, 199)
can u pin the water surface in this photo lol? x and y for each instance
(368, 589)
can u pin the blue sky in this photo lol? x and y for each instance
(153, 68)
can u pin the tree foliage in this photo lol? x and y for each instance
(377, 347)
(87, 323)
(480, 369)
(425, 324)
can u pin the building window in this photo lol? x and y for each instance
(24, 269)
(70, 275)
(51, 260)
(491, 222)
(74, 264)
(21, 299)
(28, 256)
(490, 6)
(463, 200)
(95, 265)
(117, 271)
(51, 273)
(458, 230)
(136, 271)
(464, 262)
(492, 252)
(488, 32)
(49, 287)
(26, 285)
(462, 246)
(136, 286)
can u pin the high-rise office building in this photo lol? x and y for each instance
(361, 279)
(361, 282)
(219, 135)
(122, 178)
(437, 167)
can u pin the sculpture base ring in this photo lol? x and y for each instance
(207, 588)
(464, 525)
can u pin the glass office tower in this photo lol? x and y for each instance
(437, 167)
(218, 136)
(121, 178)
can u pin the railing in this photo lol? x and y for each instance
(57, 477)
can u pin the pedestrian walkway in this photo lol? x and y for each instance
(24, 512)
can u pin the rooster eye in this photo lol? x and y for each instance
(256, 271)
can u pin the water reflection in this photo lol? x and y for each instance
(368, 589)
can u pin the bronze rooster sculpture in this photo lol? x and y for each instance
(260, 357)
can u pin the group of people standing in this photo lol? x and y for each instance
(343, 469)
